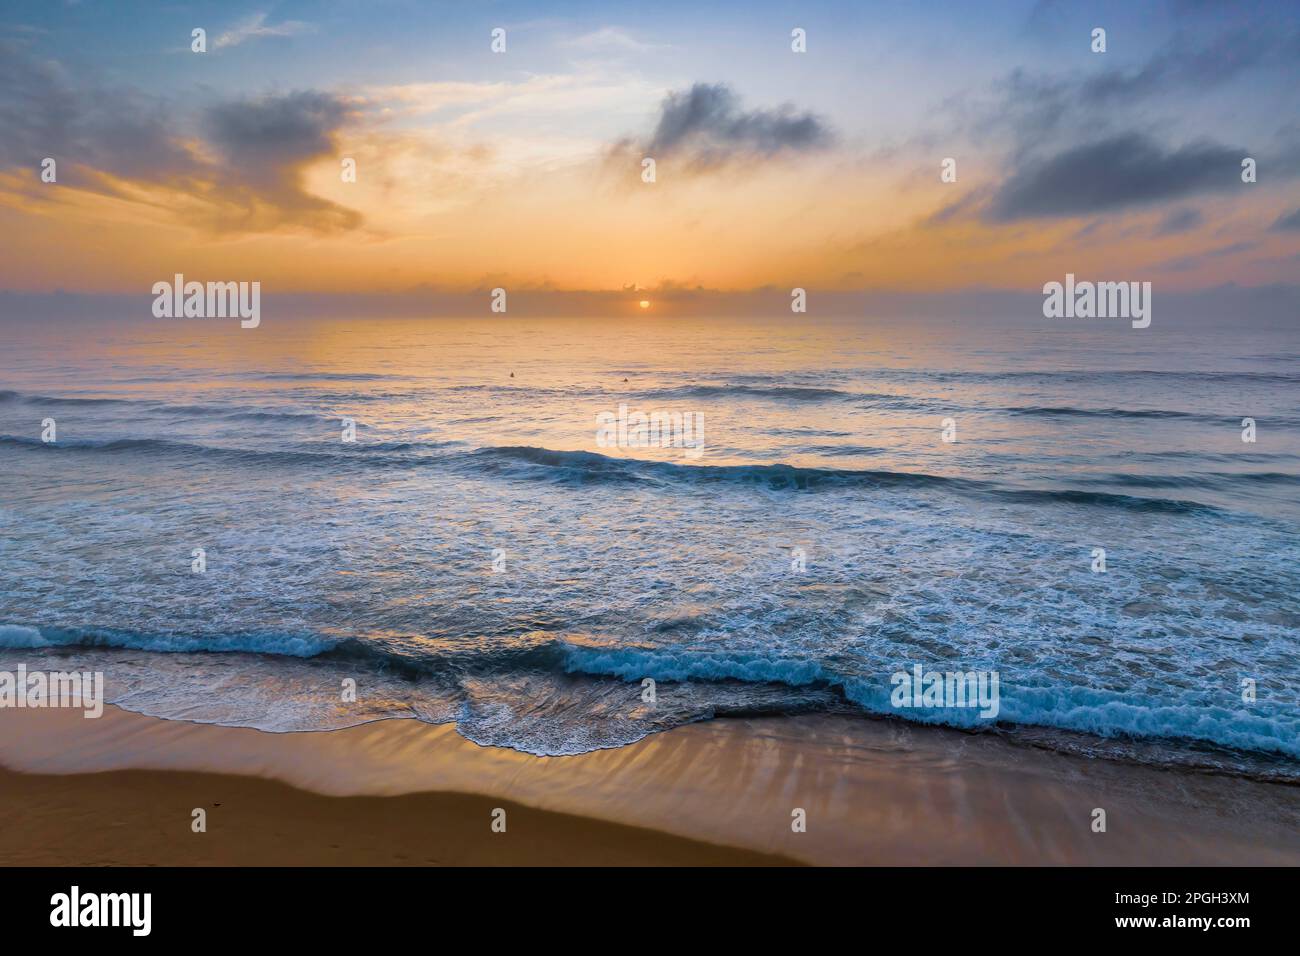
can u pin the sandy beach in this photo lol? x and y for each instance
(122, 790)
(131, 818)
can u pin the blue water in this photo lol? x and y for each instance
(476, 440)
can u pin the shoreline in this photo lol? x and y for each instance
(722, 791)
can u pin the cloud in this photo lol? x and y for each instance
(245, 175)
(118, 132)
(1028, 107)
(277, 129)
(959, 209)
(1183, 65)
(1179, 220)
(1198, 261)
(1288, 222)
(612, 40)
(706, 126)
(1115, 173)
(269, 141)
(1231, 249)
(543, 97)
(707, 118)
(255, 27)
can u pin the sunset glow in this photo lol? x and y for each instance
(438, 166)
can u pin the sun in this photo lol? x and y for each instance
(644, 303)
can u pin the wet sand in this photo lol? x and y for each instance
(145, 818)
(122, 789)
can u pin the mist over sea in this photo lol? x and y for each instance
(476, 556)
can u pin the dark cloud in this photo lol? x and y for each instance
(1179, 220)
(1197, 261)
(246, 176)
(266, 144)
(1027, 108)
(119, 132)
(1231, 249)
(1288, 222)
(707, 126)
(1184, 64)
(1116, 173)
(960, 208)
(281, 130)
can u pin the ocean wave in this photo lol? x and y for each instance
(7, 396)
(331, 454)
(539, 650)
(1104, 499)
(636, 663)
(1213, 479)
(595, 467)
(796, 393)
(18, 636)
(243, 414)
(519, 389)
(781, 393)
(1064, 411)
(1091, 376)
(722, 681)
(531, 462)
(155, 407)
(1102, 713)
(163, 448)
(317, 376)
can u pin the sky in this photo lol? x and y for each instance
(522, 169)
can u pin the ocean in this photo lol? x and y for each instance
(478, 555)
